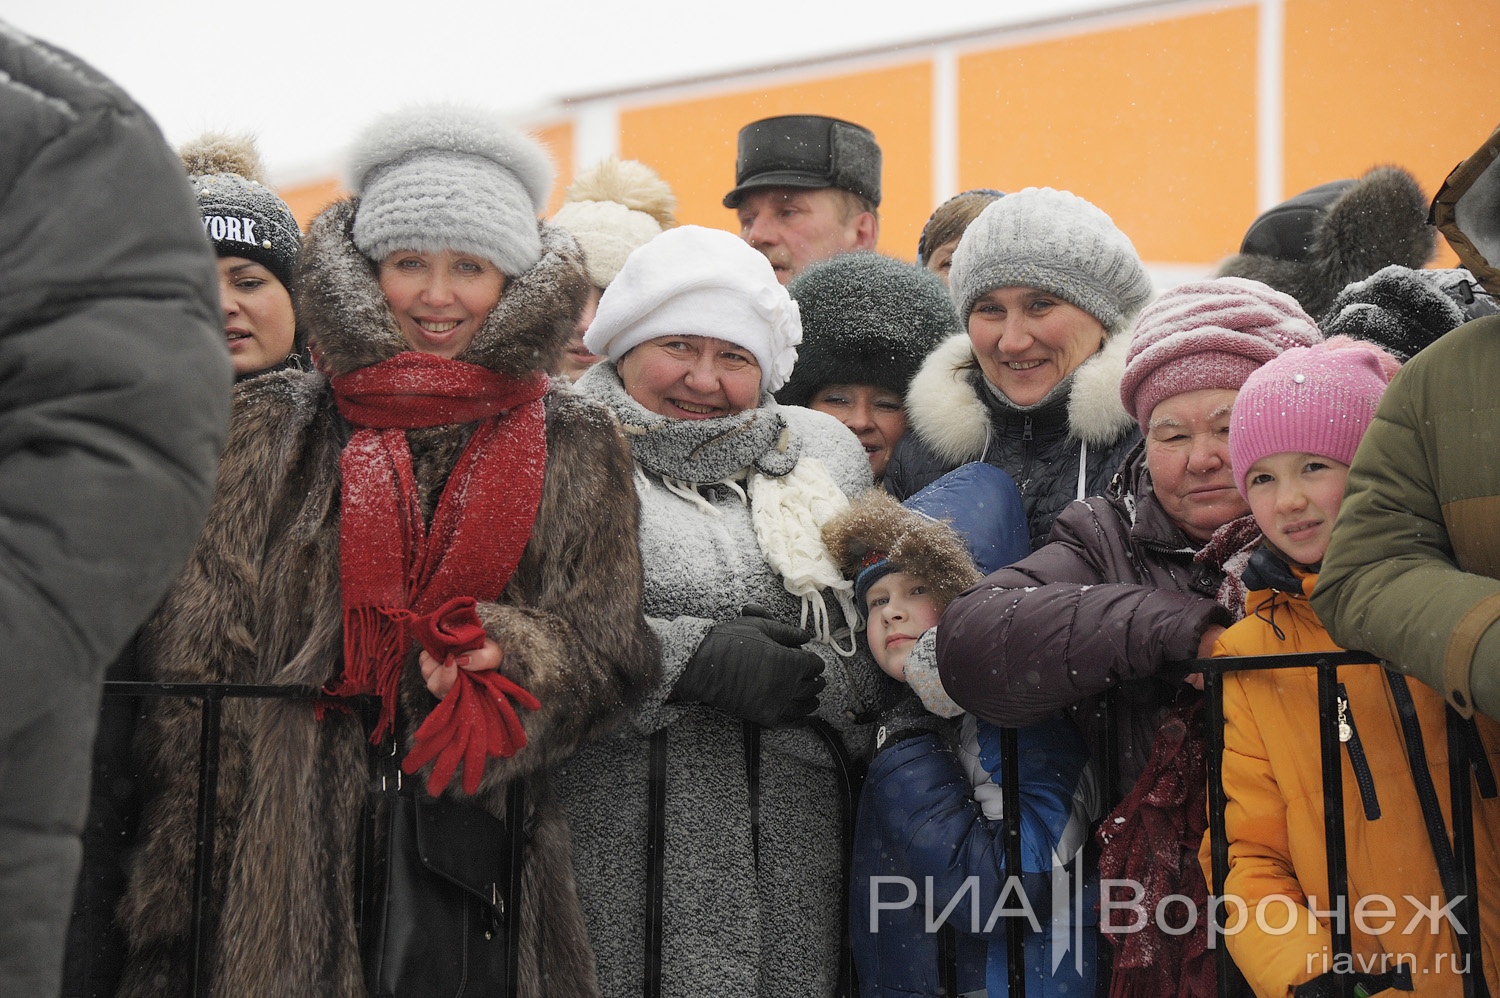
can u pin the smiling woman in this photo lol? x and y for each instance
(440, 299)
(734, 489)
(424, 519)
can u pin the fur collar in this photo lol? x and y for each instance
(350, 325)
(947, 414)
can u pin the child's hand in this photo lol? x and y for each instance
(440, 676)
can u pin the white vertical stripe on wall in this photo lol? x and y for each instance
(1270, 105)
(945, 85)
(596, 133)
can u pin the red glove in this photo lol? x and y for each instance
(475, 720)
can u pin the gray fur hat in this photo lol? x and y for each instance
(1053, 241)
(241, 216)
(867, 319)
(440, 177)
(1313, 245)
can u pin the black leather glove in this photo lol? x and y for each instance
(902, 716)
(754, 667)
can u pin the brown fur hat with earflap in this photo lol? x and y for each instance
(877, 535)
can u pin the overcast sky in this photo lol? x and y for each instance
(304, 75)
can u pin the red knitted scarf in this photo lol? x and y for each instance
(400, 580)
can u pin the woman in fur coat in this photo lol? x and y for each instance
(708, 833)
(425, 475)
(1044, 283)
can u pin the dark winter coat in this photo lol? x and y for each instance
(752, 898)
(260, 603)
(1412, 573)
(1105, 607)
(919, 822)
(954, 418)
(114, 404)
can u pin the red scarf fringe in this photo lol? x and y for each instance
(399, 579)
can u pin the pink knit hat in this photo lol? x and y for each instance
(1208, 334)
(1315, 400)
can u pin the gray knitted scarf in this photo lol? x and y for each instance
(698, 451)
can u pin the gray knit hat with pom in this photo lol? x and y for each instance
(441, 177)
(241, 216)
(867, 319)
(1056, 242)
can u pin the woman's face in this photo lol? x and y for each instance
(875, 415)
(940, 260)
(440, 300)
(576, 357)
(1187, 452)
(258, 318)
(1027, 341)
(691, 377)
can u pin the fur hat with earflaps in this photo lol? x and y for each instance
(966, 524)
(1312, 245)
(613, 208)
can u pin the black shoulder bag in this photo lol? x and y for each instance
(440, 892)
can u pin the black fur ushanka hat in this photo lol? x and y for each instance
(867, 319)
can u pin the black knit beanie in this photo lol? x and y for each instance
(867, 319)
(241, 216)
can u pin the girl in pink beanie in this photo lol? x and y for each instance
(1296, 424)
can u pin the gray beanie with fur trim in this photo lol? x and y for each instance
(241, 216)
(441, 177)
(1056, 242)
(867, 319)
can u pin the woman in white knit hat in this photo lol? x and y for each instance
(1044, 283)
(754, 711)
(422, 518)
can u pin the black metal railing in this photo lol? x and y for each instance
(213, 695)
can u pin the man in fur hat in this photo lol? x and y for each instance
(806, 187)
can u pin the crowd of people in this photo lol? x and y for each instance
(722, 565)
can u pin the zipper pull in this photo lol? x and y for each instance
(1026, 429)
(1345, 731)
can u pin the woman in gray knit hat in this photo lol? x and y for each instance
(1044, 283)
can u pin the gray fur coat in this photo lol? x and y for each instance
(731, 925)
(259, 603)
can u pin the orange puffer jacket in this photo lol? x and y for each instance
(1274, 820)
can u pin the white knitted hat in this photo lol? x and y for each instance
(1056, 242)
(613, 208)
(440, 177)
(693, 281)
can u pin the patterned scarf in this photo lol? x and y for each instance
(403, 582)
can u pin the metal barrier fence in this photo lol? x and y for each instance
(1324, 711)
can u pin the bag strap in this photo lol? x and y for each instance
(656, 851)
(1432, 816)
(515, 815)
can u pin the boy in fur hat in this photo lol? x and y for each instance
(931, 808)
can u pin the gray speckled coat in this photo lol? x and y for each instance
(728, 928)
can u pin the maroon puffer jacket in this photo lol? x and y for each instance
(1109, 603)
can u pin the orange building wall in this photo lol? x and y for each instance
(1410, 82)
(691, 143)
(1154, 123)
(558, 139)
